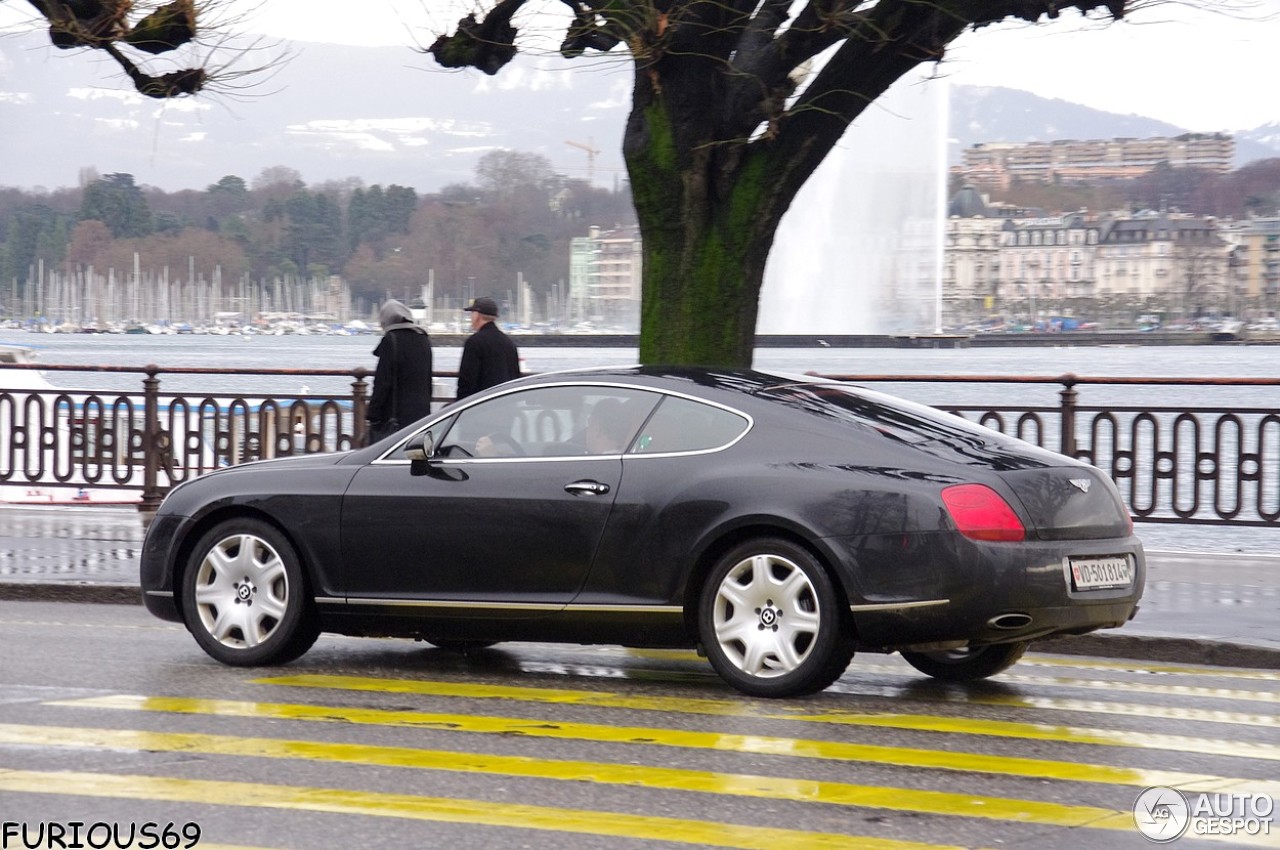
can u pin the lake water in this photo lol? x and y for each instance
(338, 352)
(346, 352)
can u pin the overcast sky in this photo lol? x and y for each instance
(1200, 70)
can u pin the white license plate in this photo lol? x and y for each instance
(1099, 573)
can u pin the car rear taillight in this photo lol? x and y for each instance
(981, 514)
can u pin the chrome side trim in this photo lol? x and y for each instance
(507, 606)
(627, 609)
(895, 606)
(160, 594)
(449, 603)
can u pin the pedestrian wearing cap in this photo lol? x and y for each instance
(489, 357)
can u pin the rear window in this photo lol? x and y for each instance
(888, 416)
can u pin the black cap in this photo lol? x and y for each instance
(483, 306)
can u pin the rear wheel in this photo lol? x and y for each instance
(968, 663)
(245, 595)
(771, 621)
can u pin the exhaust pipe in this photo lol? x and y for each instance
(1009, 622)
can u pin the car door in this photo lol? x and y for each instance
(509, 512)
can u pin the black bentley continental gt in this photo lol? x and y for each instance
(779, 523)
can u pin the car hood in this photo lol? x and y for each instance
(183, 497)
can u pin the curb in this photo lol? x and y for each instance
(107, 594)
(1178, 650)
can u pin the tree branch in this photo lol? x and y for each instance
(588, 30)
(104, 25)
(487, 45)
(880, 46)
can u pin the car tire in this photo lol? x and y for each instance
(245, 596)
(969, 663)
(771, 621)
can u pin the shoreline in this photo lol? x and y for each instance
(922, 340)
(1056, 339)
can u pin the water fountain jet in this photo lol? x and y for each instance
(859, 251)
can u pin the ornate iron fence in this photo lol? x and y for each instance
(1182, 450)
(145, 442)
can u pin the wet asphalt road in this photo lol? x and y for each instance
(107, 715)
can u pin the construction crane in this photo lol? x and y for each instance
(590, 147)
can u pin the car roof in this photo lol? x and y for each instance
(688, 378)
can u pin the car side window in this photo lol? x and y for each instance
(683, 425)
(398, 452)
(549, 422)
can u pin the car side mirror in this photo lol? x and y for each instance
(419, 450)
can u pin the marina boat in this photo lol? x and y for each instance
(1230, 330)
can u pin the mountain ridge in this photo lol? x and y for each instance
(385, 115)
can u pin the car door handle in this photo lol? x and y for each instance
(589, 488)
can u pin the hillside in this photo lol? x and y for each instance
(386, 116)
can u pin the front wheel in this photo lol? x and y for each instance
(968, 663)
(245, 596)
(771, 621)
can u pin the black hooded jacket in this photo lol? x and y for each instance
(402, 382)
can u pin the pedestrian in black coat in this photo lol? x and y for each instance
(402, 382)
(489, 357)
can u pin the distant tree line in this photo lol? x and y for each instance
(1252, 190)
(516, 218)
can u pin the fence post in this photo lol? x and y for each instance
(359, 404)
(1067, 415)
(152, 447)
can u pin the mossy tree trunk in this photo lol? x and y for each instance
(707, 224)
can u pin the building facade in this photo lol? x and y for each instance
(1000, 164)
(1255, 262)
(605, 278)
(1021, 263)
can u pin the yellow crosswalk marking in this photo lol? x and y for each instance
(754, 744)
(438, 809)
(1132, 665)
(744, 708)
(728, 784)
(1266, 721)
(1237, 694)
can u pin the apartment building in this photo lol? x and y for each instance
(1255, 258)
(1000, 164)
(998, 258)
(605, 278)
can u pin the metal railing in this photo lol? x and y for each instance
(147, 442)
(1182, 450)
